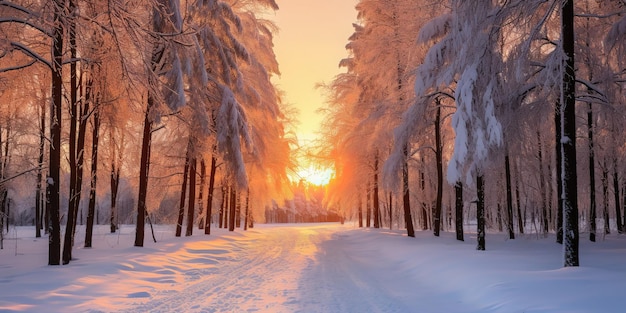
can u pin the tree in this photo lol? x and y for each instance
(192, 196)
(458, 191)
(568, 140)
(480, 212)
(53, 181)
(183, 192)
(166, 19)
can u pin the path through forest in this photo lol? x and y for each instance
(309, 268)
(312, 268)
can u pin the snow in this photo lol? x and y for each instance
(310, 268)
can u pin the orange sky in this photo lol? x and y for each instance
(309, 46)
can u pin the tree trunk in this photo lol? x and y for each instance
(376, 204)
(42, 145)
(53, 181)
(592, 177)
(72, 208)
(480, 212)
(559, 179)
(390, 210)
(144, 169)
(183, 195)
(618, 214)
(231, 215)
(368, 206)
(423, 189)
(209, 200)
(115, 179)
(605, 199)
(458, 206)
(439, 161)
(360, 213)
(222, 223)
(238, 211)
(406, 197)
(509, 196)
(192, 197)
(542, 186)
(94, 178)
(520, 217)
(568, 141)
(624, 205)
(201, 219)
(247, 213)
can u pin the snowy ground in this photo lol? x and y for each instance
(310, 268)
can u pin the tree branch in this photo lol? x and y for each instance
(19, 67)
(31, 53)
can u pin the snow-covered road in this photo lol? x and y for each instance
(278, 269)
(291, 268)
(259, 272)
(309, 268)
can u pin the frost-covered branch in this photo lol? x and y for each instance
(31, 53)
(17, 67)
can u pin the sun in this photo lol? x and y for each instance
(315, 175)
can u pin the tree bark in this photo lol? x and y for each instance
(94, 178)
(592, 177)
(209, 201)
(406, 197)
(53, 181)
(183, 195)
(115, 178)
(192, 197)
(72, 208)
(360, 213)
(520, 217)
(458, 206)
(568, 141)
(605, 199)
(42, 145)
(439, 161)
(391, 211)
(542, 186)
(201, 221)
(559, 179)
(423, 189)
(144, 169)
(247, 213)
(375, 199)
(509, 196)
(368, 206)
(480, 212)
(222, 206)
(618, 214)
(231, 215)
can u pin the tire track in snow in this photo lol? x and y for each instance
(259, 273)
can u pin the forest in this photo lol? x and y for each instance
(502, 115)
(499, 115)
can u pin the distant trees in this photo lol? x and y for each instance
(369, 98)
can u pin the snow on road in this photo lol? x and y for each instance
(258, 272)
(309, 268)
(289, 268)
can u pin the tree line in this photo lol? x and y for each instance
(149, 94)
(448, 108)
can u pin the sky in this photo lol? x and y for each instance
(310, 43)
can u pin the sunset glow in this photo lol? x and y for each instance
(315, 175)
(309, 52)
